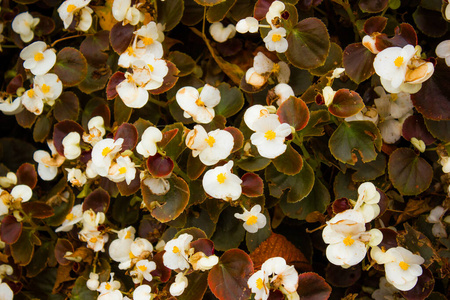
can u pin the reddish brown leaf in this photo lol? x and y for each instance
(98, 201)
(169, 80)
(121, 36)
(167, 137)
(423, 287)
(38, 210)
(115, 79)
(414, 126)
(358, 62)
(294, 112)
(237, 136)
(25, 118)
(161, 270)
(340, 205)
(26, 174)
(195, 167)
(252, 185)
(10, 229)
(159, 166)
(203, 245)
(375, 24)
(129, 134)
(61, 248)
(404, 35)
(132, 188)
(61, 130)
(14, 84)
(313, 287)
(346, 103)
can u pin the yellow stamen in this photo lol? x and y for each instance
(403, 265)
(106, 151)
(107, 286)
(276, 38)
(394, 97)
(131, 255)
(210, 140)
(142, 268)
(69, 217)
(122, 170)
(38, 56)
(45, 88)
(130, 51)
(199, 102)
(128, 235)
(252, 220)
(221, 178)
(270, 135)
(93, 240)
(30, 93)
(147, 41)
(151, 67)
(398, 61)
(175, 249)
(71, 8)
(259, 283)
(348, 241)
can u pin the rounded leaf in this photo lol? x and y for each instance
(290, 162)
(71, 66)
(294, 112)
(371, 6)
(252, 185)
(129, 134)
(231, 100)
(333, 61)
(61, 130)
(132, 188)
(26, 174)
(346, 103)
(159, 166)
(414, 126)
(423, 287)
(66, 107)
(111, 91)
(439, 129)
(121, 36)
(170, 13)
(430, 22)
(313, 287)
(10, 229)
(98, 201)
(61, 248)
(375, 24)
(358, 62)
(38, 210)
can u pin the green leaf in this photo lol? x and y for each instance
(253, 164)
(290, 162)
(96, 79)
(22, 250)
(409, 173)
(170, 13)
(371, 170)
(61, 204)
(41, 128)
(209, 2)
(122, 113)
(231, 100)
(176, 144)
(66, 107)
(315, 124)
(353, 139)
(198, 282)
(299, 185)
(201, 220)
(346, 103)
(333, 61)
(317, 200)
(370, 6)
(218, 12)
(309, 44)
(229, 230)
(294, 112)
(183, 62)
(344, 187)
(81, 292)
(228, 279)
(71, 66)
(439, 129)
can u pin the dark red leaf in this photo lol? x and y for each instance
(159, 166)
(340, 205)
(375, 24)
(10, 229)
(237, 136)
(414, 126)
(25, 118)
(26, 174)
(129, 134)
(121, 37)
(38, 210)
(389, 238)
(14, 84)
(61, 130)
(195, 167)
(98, 201)
(404, 35)
(358, 62)
(61, 248)
(94, 47)
(161, 270)
(261, 9)
(169, 80)
(294, 112)
(132, 188)
(203, 245)
(252, 185)
(115, 79)
(167, 137)
(423, 287)
(312, 287)
(338, 276)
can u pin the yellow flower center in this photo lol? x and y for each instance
(270, 135)
(210, 140)
(398, 61)
(259, 283)
(130, 51)
(93, 240)
(107, 286)
(106, 151)
(276, 38)
(394, 97)
(142, 268)
(348, 241)
(45, 88)
(71, 8)
(30, 93)
(131, 255)
(69, 217)
(122, 170)
(252, 220)
(147, 41)
(175, 249)
(403, 265)
(128, 235)
(221, 178)
(151, 68)
(199, 102)
(38, 56)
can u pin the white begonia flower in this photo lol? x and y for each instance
(262, 63)
(443, 50)
(142, 271)
(103, 153)
(85, 21)
(176, 255)
(275, 40)
(366, 114)
(385, 292)
(391, 130)
(51, 87)
(258, 283)
(32, 101)
(248, 24)
(158, 186)
(220, 183)
(147, 75)
(5, 291)
(24, 24)
(275, 10)
(204, 263)
(369, 42)
(210, 147)
(37, 58)
(96, 127)
(20, 193)
(445, 163)
(328, 95)
(93, 283)
(123, 11)
(283, 275)
(143, 292)
(141, 247)
(110, 290)
(150, 38)
(270, 136)
(220, 33)
(69, 8)
(122, 169)
(10, 106)
(199, 106)
(401, 266)
(71, 144)
(177, 288)
(119, 251)
(254, 78)
(91, 171)
(253, 219)
(75, 216)
(46, 169)
(435, 217)
(132, 54)
(367, 203)
(254, 113)
(147, 146)
(9, 180)
(283, 91)
(347, 238)
(95, 240)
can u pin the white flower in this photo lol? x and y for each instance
(85, 19)
(391, 130)
(147, 146)
(24, 24)
(275, 40)
(176, 255)
(75, 216)
(285, 275)
(10, 106)
(254, 78)
(122, 169)
(248, 24)
(93, 282)
(258, 283)
(263, 64)
(110, 290)
(158, 186)
(275, 10)
(51, 87)
(46, 169)
(199, 106)
(435, 217)
(204, 263)
(37, 58)
(366, 114)
(96, 127)
(367, 203)
(270, 136)
(5, 291)
(71, 144)
(211, 147)
(220, 34)
(6, 270)
(328, 95)
(254, 113)
(142, 271)
(103, 153)
(220, 183)
(445, 163)
(347, 238)
(369, 42)
(402, 268)
(150, 37)
(96, 240)
(443, 49)
(20, 193)
(283, 91)
(177, 288)
(253, 219)
(123, 11)
(9, 180)
(69, 8)
(385, 292)
(141, 247)
(142, 292)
